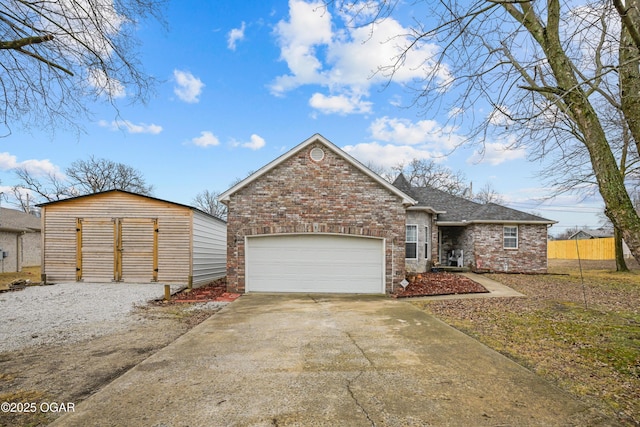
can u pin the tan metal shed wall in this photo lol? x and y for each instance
(59, 231)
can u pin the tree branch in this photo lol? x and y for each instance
(26, 41)
(46, 61)
(628, 21)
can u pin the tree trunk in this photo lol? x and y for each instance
(629, 75)
(621, 265)
(573, 101)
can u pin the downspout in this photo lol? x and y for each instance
(393, 264)
(19, 238)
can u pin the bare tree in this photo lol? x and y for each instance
(82, 177)
(427, 173)
(487, 194)
(47, 189)
(571, 171)
(96, 175)
(541, 68)
(380, 170)
(207, 201)
(57, 55)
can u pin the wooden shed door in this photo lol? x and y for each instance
(95, 241)
(137, 249)
(120, 249)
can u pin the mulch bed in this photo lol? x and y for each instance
(214, 291)
(424, 284)
(441, 283)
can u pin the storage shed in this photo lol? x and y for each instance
(126, 237)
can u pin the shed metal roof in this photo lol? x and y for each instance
(134, 194)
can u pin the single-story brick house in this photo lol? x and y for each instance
(454, 231)
(317, 220)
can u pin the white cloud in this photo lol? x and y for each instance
(93, 25)
(188, 86)
(235, 35)
(500, 117)
(340, 104)
(427, 133)
(256, 142)
(36, 167)
(112, 87)
(131, 127)
(495, 153)
(387, 156)
(362, 56)
(309, 26)
(206, 139)
(399, 140)
(455, 112)
(8, 161)
(350, 59)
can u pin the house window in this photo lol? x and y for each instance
(411, 243)
(427, 239)
(510, 237)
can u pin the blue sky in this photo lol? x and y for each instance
(243, 82)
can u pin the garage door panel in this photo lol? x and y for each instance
(315, 263)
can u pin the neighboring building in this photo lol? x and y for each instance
(121, 236)
(599, 233)
(317, 220)
(19, 240)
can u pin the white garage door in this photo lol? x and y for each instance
(315, 263)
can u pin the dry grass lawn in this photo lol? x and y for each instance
(27, 273)
(581, 332)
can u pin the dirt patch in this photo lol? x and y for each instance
(440, 283)
(71, 372)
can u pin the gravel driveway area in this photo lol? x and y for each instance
(71, 312)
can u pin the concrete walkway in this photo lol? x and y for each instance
(305, 360)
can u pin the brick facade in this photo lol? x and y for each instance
(301, 196)
(483, 246)
(426, 242)
(490, 254)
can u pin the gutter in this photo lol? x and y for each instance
(493, 221)
(426, 208)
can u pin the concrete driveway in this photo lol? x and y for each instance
(328, 360)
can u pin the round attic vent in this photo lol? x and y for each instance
(316, 154)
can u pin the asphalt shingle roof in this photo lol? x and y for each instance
(18, 220)
(458, 209)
